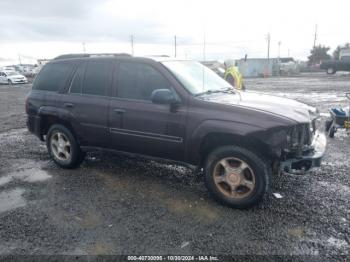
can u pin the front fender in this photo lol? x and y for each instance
(217, 126)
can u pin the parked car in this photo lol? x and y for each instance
(176, 110)
(288, 66)
(343, 64)
(12, 77)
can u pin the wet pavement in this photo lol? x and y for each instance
(116, 204)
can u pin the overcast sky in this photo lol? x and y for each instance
(33, 29)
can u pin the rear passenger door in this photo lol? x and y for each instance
(87, 100)
(136, 124)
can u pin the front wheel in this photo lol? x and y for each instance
(9, 82)
(63, 147)
(236, 177)
(331, 71)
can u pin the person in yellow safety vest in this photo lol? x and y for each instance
(233, 76)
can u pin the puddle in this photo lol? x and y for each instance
(11, 199)
(29, 175)
(183, 203)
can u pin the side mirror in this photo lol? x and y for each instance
(163, 96)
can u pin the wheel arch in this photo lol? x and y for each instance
(217, 139)
(48, 120)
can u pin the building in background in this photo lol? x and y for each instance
(258, 67)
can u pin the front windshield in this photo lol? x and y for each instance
(196, 77)
(11, 73)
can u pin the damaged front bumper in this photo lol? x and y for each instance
(310, 159)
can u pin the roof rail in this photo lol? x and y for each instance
(158, 56)
(69, 56)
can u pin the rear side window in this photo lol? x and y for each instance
(96, 78)
(52, 77)
(77, 81)
(138, 80)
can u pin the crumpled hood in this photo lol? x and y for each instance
(273, 104)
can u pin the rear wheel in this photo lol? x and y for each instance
(331, 71)
(63, 147)
(236, 177)
(331, 132)
(328, 124)
(9, 82)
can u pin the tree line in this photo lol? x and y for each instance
(320, 53)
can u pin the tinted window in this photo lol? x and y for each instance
(77, 80)
(137, 81)
(96, 78)
(52, 77)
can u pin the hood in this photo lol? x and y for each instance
(283, 107)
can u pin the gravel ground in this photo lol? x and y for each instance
(117, 204)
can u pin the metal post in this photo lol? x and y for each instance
(84, 50)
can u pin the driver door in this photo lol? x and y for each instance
(136, 124)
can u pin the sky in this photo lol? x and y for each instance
(34, 29)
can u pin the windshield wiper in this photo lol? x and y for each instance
(223, 90)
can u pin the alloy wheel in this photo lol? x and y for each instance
(234, 178)
(61, 147)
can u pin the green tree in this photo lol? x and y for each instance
(337, 50)
(318, 54)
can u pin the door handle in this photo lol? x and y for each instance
(119, 111)
(70, 105)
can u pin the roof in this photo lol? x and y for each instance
(157, 58)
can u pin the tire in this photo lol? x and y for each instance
(247, 167)
(63, 147)
(328, 125)
(331, 71)
(331, 132)
(9, 82)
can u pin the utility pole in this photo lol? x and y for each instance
(279, 48)
(314, 49)
(268, 46)
(315, 37)
(132, 44)
(204, 48)
(84, 50)
(175, 44)
(266, 73)
(19, 59)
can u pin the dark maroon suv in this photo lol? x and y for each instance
(176, 110)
